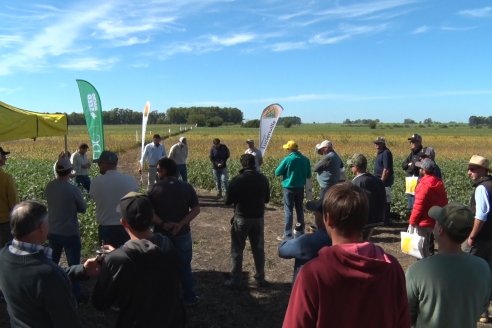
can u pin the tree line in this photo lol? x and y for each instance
(201, 116)
(204, 116)
(119, 116)
(480, 120)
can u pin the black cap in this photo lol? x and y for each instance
(107, 157)
(136, 209)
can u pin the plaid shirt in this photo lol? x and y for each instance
(22, 248)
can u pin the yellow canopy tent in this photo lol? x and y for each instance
(16, 123)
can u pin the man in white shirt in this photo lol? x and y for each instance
(252, 150)
(107, 189)
(179, 154)
(81, 166)
(153, 152)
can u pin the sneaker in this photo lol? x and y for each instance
(193, 302)
(484, 319)
(281, 238)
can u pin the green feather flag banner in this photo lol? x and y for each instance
(91, 103)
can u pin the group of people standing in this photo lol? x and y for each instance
(336, 285)
(145, 274)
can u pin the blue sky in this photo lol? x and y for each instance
(323, 61)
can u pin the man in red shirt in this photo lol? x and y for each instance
(352, 279)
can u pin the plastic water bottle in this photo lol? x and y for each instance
(298, 230)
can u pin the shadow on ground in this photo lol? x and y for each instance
(255, 307)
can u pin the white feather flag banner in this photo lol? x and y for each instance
(268, 121)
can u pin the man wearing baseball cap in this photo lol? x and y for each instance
(383, 169)
(8, 199)
(328, 167)
(479, 241)
(409, 166)
(255, 152)
(141, 277)
(106, 191)
(452, 288)
(294, 169)
(429, 192)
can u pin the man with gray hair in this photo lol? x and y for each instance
(37, 291)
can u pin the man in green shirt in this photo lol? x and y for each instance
(452, 288)
(294, 169)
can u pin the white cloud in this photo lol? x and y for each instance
(345, 32)
(457, 28)
(477, 13)
(286, 46)
(232, 40)
(8, 40)
(421, 29)
(51, 41)
(116, 29)
(130, 41)
(89, 63)
(364, 9)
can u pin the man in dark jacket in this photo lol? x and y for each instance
(37, 290)
(408, 165)
(141, 277)
(374, 188)
(219, 154)
(249, 192)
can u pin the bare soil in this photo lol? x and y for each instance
(220, 307)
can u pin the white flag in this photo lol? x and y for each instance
(268, 121)
(145, 118)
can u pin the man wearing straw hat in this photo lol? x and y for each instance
(479, 241)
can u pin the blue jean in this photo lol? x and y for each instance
(410, 201)
(221, 179)
(84, 181)
(114, 235)
(293, 198)
(72, 247)
(184, 245)
(183, 172)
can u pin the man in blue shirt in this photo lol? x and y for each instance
(306, 246)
